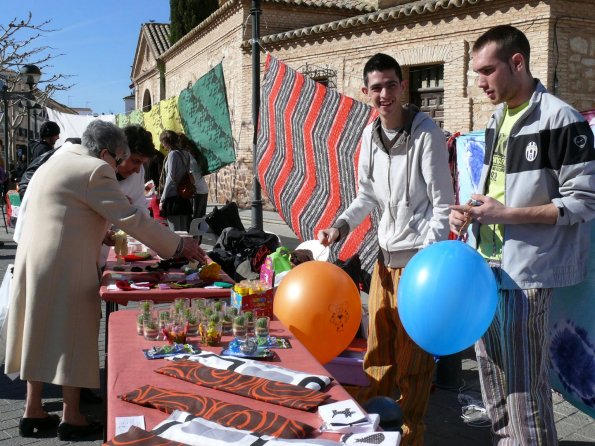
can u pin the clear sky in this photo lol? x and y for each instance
(97, 39)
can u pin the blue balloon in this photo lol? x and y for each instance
(447, 297)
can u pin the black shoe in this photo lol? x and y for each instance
(27, 426)
(67, 431)
(88, 396)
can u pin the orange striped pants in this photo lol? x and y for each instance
(393, 362)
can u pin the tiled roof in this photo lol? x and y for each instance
(352, 5)
(412, 8)
(157, 35)
(358, 5)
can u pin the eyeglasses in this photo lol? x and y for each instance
(116, 159)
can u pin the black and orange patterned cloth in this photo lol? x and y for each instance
(140, 437)
(260, 389)
(226, 414)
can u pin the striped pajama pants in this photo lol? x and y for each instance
(513, 360)
(393, 362)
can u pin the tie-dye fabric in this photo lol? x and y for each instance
(163, 116)
(259, 369)
(226, 414)
(260, 389)
(205, 117)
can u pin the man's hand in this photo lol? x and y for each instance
(482, 208)
(328, 236)
(192, 251)
(109, 239)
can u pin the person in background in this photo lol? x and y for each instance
(131, 175)
(49, 133)
(53, 323)
(177, 210)
(200, 199)
(38, 161)
(530, 223)
(403, 170)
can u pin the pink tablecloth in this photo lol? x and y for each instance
(128, 369)
(121, 297)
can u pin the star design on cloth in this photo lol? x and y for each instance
(347, 412)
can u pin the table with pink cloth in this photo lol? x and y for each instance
(128, 369)
(121, 297)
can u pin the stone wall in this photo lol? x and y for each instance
(442, 37)
(572, 49)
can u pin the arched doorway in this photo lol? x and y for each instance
(147, 101)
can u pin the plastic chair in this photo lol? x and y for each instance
(198, 226)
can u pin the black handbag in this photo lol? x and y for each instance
(225, 217)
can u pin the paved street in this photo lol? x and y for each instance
(445, 427)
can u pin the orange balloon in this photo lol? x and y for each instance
(321, 306)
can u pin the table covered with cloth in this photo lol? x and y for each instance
(129, 373)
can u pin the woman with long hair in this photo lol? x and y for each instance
(177, 210)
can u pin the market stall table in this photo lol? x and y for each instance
(128, 369)
(114, 296)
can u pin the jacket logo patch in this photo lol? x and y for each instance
(531, 151)
(580, 141)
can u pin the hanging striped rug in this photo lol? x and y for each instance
(307, 151)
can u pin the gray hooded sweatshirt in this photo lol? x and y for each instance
(411, 184)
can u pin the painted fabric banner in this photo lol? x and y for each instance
(307, 153)
(205, 116)
(163, 116)
(134, 117)
(122, 120)
(73, 126)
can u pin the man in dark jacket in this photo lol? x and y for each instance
(49, 134)
(36, 163)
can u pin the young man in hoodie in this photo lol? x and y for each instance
(403, 170)
(531, 225)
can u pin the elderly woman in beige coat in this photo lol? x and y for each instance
(54, 312)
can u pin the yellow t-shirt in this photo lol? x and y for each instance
(491, 236)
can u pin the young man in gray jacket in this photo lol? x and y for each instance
(538, 192)
(403, 169)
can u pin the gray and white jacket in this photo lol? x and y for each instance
(411, 184)
(550, 159)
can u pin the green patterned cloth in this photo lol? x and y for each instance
(205, 116)
(134, 117)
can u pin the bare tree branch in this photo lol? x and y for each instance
(20, 45)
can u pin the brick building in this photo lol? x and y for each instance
(331, 40)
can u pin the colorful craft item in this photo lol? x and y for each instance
(210, 271)
(131, 285)
(259, 389)
(226, 414)
(137, 257)
(169, 350)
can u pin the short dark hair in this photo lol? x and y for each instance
(381, 62)
(49, 129)
(140, 141)
(509, 41)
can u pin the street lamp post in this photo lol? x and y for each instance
(29, 74)
(5, 104)
(255, 11)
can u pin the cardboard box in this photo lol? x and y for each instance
(261, 303)
(347, 367)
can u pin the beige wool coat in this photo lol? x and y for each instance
(54, 313)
